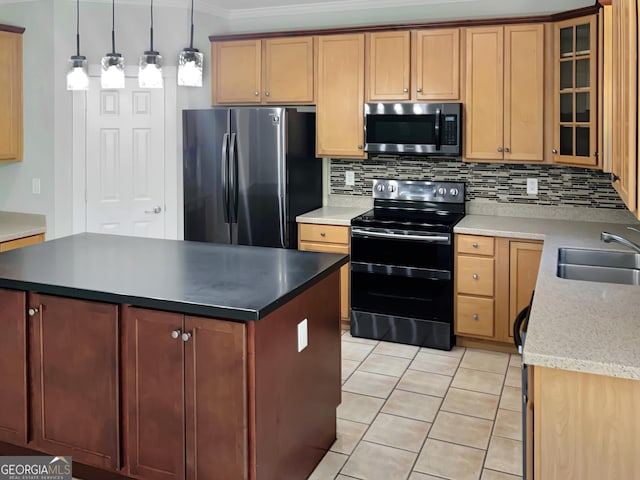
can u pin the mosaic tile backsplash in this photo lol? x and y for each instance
(503, 183)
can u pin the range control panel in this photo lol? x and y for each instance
(419, 190)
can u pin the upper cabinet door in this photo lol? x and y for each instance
(436, 64)
(236, 68)
(288, 70)
(575, 92)
(388, 61)
(524, 93)
(340, 107)
(11, 138)
(485, 89)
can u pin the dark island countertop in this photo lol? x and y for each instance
(225, 281)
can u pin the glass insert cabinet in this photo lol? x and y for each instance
(575, 92)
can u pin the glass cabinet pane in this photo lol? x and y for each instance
(582, 73)
(566, 41)
(566, 140)
(582, 141)
(566, 107)
(582, 107)
(566, 75)
(583, 40)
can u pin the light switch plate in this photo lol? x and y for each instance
(303, 336)
(349, 178)
(35, 186)
(532, 186)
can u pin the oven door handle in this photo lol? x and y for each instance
(422, 238)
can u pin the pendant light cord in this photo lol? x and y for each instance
(191, 44)
(113, 27)
(151, 34)
(78, 28)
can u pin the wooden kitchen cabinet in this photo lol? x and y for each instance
(340, 96)
(575, 93)
(505, 93)
(11, 128)
(419, 65)
(13, 367)
(275, 70)
(175, 388)
(331, 239)
(495, 278)
(75, 379)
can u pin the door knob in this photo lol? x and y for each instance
(405, 90)
(500, 149)
(475, 245)
(475, 276)
(256, 93)
(506, 149)
(554, 151)
(266, 94)
(175, 334)
(475, 316)
(419, 90)
(33, 311)
(155, 210)
(186, 336)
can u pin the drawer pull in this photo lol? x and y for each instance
(475, 316)
(322, 234)
(475, 276)
(475, 245)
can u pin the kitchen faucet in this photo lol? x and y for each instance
(607, 237)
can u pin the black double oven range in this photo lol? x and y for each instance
(402, 255)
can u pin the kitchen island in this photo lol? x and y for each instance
(162, 359)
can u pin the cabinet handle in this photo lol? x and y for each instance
(33, 311)
(186, 336)
(475, 245)
(359, 147)
(500, 149)
(256, 93)
(419, 90)
(475, 276)
(506, 149)
(475, 316)
(266, 94)
(405, 90)
(322, 234)
(554, 151)
(175, 334)
(614, 178)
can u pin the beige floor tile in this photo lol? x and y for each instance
(424, 382)
(359, 408)
(493, 475)
(511, 399)
(515, 360)
(430, 362)
(478, 381)
(462, 430)
(348, 367)
(508, 425)
(371, 384)
(504, 455)
(348, 435)
(385, 365)
(412, 405)
(494, 362)
(378, 462)
(422, 476)
(514, 377)
(457, 352)
(329, 466)
(475, 404)
(398, 432)
(396, 350)
(355, 351)
(366, 341)
(451, 461)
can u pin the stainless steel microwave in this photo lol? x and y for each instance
(413, 128)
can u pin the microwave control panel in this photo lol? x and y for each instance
(450, 130)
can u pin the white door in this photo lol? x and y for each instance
(125, 188)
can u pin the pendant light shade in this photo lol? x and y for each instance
(77, 76)
(150, 71)
(112, 63)
(190, 63)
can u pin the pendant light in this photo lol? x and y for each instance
(112, 63)
(150, 72)
(77, 77)
(190, 63)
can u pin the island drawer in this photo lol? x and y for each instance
(475, 244)
(475, 275)
(474, 316)
(310, 232)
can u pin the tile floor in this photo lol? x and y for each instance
(421, 414)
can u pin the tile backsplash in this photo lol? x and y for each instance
(502, 183)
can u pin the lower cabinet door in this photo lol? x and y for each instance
(75, 379)
(13, 367)
(154, 394)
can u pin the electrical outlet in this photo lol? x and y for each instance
(303, 336)
(349, 178)
(532, 186)
(35, 186)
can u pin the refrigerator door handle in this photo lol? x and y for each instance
(233, 180)
(224, 165)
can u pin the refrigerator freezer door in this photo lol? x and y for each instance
(258, 176)
(205, 147)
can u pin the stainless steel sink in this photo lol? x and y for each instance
(599, 266)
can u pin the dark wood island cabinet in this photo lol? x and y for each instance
(193, 372)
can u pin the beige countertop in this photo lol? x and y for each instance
(575, 325)
(330, 215)
(15, 225)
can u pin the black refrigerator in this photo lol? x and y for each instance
(247, 173)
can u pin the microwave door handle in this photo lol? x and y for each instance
(437, 128)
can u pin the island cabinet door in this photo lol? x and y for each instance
(13, 367)
(74, 358)
(154, 394)
(216, 399)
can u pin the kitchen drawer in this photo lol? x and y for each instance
(475, 244)
(474, 316)
(323, 247)
(323, 233)
(475, 275)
